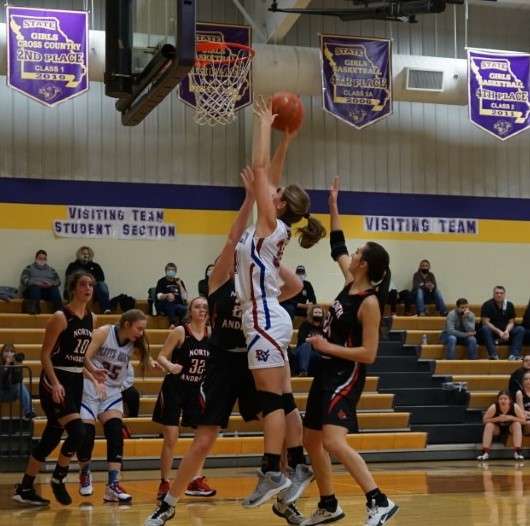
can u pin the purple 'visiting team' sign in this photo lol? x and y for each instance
(47, 53)
(221, 33)
(356, 78)
(498, 91)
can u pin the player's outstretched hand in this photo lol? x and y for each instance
(247, 175)
(263, 110)
(334, 192)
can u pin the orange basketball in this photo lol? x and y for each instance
(289, 110)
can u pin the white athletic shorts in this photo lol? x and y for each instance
(92, 406)
(268, 333)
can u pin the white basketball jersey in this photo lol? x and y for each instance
(114, 358)
(258, 264)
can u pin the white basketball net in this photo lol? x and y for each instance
(218, 85)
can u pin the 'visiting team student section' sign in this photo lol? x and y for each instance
(420, 225)
(114, 223)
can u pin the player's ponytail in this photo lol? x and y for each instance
(142, 344)
(297, 206)
(379, 273)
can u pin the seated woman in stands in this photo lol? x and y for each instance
(522, 399)
(503, 418)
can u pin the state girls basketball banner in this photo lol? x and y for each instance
(114, 222)
(498, 87)
(220, 33)
(47, 56)
(356, 78)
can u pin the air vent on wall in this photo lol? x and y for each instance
(424, 80)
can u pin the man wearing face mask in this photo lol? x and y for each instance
(171, 295)
(85, 261)
(299, 304)
(203, 283)
(425, 290)
(39, 281)
(306, 359)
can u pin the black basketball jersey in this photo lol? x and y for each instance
(526, 401)
(510, 412)
(72, 343)
(225, 318)
(342, 326)
(192, 355)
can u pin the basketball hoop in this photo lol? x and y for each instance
(218, 80)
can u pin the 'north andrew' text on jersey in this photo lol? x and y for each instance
(70, 348)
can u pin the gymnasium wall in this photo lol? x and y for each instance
(430, 151)
(474, 244)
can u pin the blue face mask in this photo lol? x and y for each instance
(171, 273)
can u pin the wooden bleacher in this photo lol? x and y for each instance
(382, 429)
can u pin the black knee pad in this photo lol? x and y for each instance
(51, 436)
(114, 436)
(76, 437)
(269, 402)
(289, 405)
(84, 451)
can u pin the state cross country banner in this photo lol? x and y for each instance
(356, 78)
(498, 87)
(47, 53)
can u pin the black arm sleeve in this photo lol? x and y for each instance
(338, 244)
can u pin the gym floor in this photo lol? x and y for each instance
(434, 493)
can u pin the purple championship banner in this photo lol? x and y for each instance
(220, 33)
(356, 78)
(498, 86)
(47, 53)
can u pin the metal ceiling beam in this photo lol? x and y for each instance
(269, 28)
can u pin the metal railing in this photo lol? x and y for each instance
(16, 429)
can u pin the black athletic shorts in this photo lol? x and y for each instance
(333, 399)
(73, 393)
(177, 403)
(228, 379)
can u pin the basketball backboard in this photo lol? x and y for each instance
(150, 48)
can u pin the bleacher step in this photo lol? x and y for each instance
(404, 364)
(456, 433)
(411, 379)
(426, 396)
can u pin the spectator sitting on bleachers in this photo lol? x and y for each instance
(171, 296)
(395, 297)
(522, 399)
(299, 304)
(306, 359)
(203, 283)
(526, 324)
(460, 330)
(39, 281)
(12, 387)
(85, 261)
(501, 419)
(516, 379)
(425, 290)
(498, 325)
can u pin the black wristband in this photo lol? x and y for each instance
(338, 244)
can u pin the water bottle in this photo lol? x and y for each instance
(424, 339)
